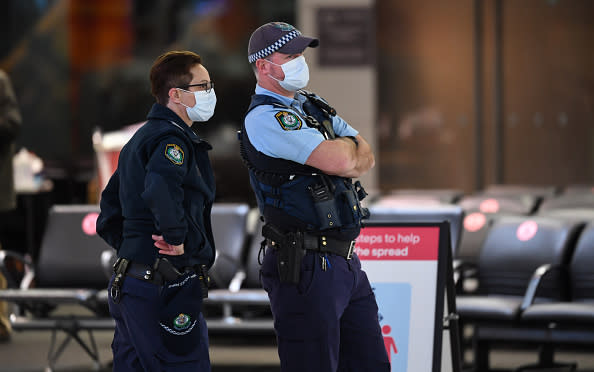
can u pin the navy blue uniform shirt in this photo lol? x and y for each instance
(163, 185)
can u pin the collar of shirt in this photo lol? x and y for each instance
(159, 111)
(291, 102)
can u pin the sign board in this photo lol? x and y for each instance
(406, 265)
(347, 36)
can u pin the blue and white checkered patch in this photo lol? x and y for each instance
(274, 47)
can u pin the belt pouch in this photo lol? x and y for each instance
(119, 268)
(353, 204)
(289, 257)
(325, 206)
(180, 311)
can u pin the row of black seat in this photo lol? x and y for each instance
(481, 209)
(524, 260)
(495, 199)
(535, 286)
(237, 303)
(74, 266)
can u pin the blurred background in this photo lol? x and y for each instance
(460, 99)
(452, 95)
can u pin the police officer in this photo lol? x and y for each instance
(301, 157)
(155, 211)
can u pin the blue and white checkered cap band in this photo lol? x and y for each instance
(274, 47)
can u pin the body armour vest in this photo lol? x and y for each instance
(296, 197)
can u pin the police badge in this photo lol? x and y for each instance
(181, 322)
(175, 154)
(288, 120)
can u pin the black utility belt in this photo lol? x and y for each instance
(146, 273)
(159, 273)
(324, 244)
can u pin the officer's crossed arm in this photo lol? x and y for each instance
(342, 157)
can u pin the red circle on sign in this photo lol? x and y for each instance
(474, 221)
(527, 230)
(489, 206)
(89, 223)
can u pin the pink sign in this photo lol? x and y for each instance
(398, 243)
(527, 230)
(474, 221)
(89, 223)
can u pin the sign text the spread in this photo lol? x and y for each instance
(414, 243)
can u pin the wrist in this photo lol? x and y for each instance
(354, 139)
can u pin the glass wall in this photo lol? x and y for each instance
(78, 65)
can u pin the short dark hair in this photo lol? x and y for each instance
(170, 70)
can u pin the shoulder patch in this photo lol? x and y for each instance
(174, 153)
(288, 120)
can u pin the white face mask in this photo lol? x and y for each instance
(204, 107)
(296, 74)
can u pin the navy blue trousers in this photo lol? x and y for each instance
(143, 341)
(328, 322)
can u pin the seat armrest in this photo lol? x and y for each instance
(465, 269)
(535, 281)
(11, 278)
(462, 271)
(237, 281)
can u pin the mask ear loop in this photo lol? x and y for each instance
(180, 101)
(270, 76)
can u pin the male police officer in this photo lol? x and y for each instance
(155, 211)
(301, 158)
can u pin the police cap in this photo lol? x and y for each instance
(277, 37)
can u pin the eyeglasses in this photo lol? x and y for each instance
(204, 86)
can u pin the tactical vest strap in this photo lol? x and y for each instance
(264, 99)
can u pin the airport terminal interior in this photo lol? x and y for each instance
(480, 114)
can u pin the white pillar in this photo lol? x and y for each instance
(351, 90)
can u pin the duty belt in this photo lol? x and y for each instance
(325, 244)
(147, 273)
(160, 273)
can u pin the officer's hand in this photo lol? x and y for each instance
(166, 248)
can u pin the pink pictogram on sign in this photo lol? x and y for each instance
(527, 230)
(489, 206)
(474, 222)
(389, 342)
(89, 223)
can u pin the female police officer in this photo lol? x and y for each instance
(301, 156)
(155, 211)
